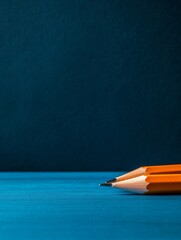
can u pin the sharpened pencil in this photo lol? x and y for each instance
(145, 170)
(151, 184)
(158, 179)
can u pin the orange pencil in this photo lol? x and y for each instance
(145, 170)
(151, 184)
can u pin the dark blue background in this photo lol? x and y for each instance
(89, 84)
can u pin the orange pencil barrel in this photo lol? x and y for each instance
(151, 184)
(150, 180)
(160, 169)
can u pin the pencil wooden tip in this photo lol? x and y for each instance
(112, 180)
(106, 184)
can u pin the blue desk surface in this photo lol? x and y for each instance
(65, 206)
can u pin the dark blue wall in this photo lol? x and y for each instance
(89, 84)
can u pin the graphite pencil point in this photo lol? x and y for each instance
(106, 184)
(112, 180)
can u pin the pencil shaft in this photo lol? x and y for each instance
(158, 183)
(160, 169)
(150, 180)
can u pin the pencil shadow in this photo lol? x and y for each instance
(150, 195)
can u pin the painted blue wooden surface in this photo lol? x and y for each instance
(52, 206)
